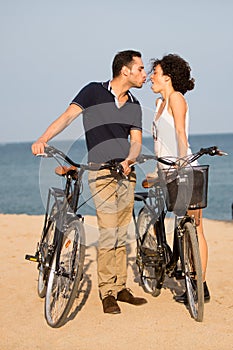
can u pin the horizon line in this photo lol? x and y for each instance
(83, 138)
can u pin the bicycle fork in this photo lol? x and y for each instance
(178, 251)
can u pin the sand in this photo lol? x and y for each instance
(161, 323)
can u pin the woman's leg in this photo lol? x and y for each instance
(202, 246)
(201, 240)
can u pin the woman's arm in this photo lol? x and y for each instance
(178, 106)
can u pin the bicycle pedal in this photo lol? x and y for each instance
(33, 258)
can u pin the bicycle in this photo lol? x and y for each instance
(177, 189)
(60, 252)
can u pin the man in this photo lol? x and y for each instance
(111, 116)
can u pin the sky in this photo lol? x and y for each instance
(50, 49)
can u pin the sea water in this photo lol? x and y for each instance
(25, 179)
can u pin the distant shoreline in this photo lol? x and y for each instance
(83, 139)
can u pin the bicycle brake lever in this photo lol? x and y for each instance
(44, 155)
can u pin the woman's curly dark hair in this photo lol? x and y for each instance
(178, 70)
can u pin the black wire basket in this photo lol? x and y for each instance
(186, 188)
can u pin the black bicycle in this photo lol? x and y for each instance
(179, 188)
(61, 251)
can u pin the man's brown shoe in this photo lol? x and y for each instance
(110, 305)
(127, 297)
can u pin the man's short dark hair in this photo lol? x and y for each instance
(123, 58)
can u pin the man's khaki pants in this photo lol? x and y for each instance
(113, 198)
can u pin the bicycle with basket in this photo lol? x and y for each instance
(179, 188)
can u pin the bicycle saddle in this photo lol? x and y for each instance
(150, 182)
(65, 171)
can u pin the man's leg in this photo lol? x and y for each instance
(106, 210)
(112, 260)
(125, 199)
(121, 268)
(106, 270)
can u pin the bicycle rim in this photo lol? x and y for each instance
(64, 280)
(193, 273)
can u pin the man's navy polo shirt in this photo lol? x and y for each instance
(107, 127)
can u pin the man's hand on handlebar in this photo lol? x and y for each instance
(38, 147)
(126, 164)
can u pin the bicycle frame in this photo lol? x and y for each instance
(64, 209)
(180, 220)
(177, 249)
(157, 211)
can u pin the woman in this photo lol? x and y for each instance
(171, 79)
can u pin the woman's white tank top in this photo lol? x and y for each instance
(164, 133)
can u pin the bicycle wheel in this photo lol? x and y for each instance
(65, 275)
(149, 260)
(45, 253)
(193, 272)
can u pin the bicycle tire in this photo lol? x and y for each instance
(193, 272)
(152, 271)
(44, 248)
(63, 284)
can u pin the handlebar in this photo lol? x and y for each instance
(142, 158)
(211, 151)
(52, 152)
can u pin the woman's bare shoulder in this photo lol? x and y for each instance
(176, 98)
(158, 100)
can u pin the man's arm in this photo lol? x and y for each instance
(135, 149)
(72, 112)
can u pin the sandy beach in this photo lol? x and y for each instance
(160, 323)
